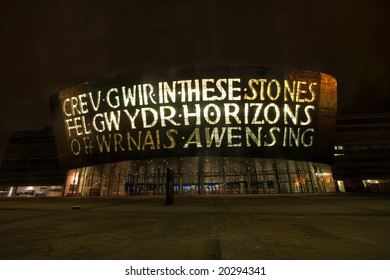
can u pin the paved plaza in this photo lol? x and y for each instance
(272, 227)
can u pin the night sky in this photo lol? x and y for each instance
(47, 46)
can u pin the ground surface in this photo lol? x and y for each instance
(306, 226)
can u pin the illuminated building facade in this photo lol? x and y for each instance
(221, 130)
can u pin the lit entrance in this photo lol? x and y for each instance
(201, 175)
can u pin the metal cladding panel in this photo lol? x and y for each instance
(246, 112)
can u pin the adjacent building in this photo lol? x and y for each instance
(362, 151)
(30, 165)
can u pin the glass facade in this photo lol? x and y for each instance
(200, 175)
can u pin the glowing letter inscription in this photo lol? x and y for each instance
(252, 112)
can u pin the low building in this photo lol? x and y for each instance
(30, 166)
(362, 151)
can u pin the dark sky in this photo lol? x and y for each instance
(47, 46)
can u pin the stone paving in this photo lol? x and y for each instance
(281, 227)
